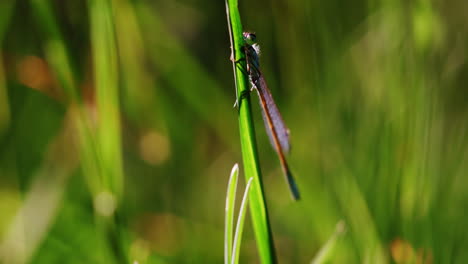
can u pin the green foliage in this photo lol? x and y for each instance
(116, 122)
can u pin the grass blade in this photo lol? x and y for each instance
(107, 94)
(240, 223)
(229, 221)
(327, 249)
(258, 206)
(6, 8)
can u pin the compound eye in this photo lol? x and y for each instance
(250, 38)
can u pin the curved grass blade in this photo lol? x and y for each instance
(324, 253)
(229, 212)
(240, 223)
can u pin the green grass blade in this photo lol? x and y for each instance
(6, 8)
(61, 64)
(107, 196)
(248, 144)
(107, 82)
(56, 48)
(229, 221)
(240, 223)
(327, 249)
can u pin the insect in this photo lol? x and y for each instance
(276, 129)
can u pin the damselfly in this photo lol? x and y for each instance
(274, 124)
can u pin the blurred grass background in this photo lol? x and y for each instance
(117, 130)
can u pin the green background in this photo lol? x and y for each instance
(117, 132)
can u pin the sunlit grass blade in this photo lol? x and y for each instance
(257, 204)
(326, 250)
(229, 213)
(107, 94)
(240, 223)
(248, 143)
(108, 193)
(45, 192)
